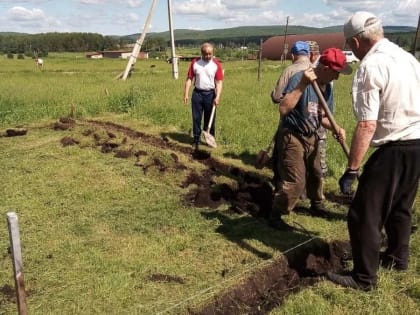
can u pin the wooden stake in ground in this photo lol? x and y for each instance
(12, 222)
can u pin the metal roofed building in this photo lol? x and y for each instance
(273, 47)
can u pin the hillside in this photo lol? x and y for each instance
(241, 31)
(254, 31)
(158, 41)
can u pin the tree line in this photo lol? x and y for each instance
(41, 44)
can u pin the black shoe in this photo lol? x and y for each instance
(194, 147)
(388, 262)
(278, 205)
(279, 225)
(346, 281)
(317, 209)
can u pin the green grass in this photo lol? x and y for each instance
(94, 228)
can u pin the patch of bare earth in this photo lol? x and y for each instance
(247, 192)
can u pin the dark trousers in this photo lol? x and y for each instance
(275, 161)
(384, 199)
(202, 103)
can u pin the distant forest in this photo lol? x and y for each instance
(250, 36)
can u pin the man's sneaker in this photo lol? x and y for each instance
(346, 281)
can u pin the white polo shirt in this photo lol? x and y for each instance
(205, 73)
(386, 88)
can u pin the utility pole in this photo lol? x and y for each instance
(174, 58)
(415, 39)
(285, 46)
(259, 59)
(137, 46)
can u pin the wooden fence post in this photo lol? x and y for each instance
(12, 221)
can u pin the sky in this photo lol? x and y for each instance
(125, 17)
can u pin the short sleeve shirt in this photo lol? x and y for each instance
(305, 118)
(205, 73)
(299, 65)
(386, 89)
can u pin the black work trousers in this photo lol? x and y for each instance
(384, 199)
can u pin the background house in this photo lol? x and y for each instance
(123, 54)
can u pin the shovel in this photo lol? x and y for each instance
(264, 155)
(210, 140)
(330, 116)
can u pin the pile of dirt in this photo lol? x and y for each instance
(268, 287)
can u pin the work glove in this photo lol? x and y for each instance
(347, 180)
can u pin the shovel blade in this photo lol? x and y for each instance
(210, 140)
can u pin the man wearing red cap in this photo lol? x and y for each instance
(301, 60)
(301, 117)
(386, 99)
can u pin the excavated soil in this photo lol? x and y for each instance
(246, 192)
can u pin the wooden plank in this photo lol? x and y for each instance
(12, 221)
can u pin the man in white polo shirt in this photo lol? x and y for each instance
(207, 73)
(386, 103)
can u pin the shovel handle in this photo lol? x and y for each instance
(330, 117)
(213, 110)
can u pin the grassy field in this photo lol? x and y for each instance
(108, 235)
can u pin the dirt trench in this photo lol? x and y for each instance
(245, 192)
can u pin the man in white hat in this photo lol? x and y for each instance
(386, 98)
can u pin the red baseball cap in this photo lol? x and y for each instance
(336, 60)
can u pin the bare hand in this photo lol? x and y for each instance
(341, 135)
(308, 76)
(216, 101)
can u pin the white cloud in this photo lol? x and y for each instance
(118, 16)
(132, 17)
(357, 5)
(23, 14)
(134, 3)
(408, 7)
(199, 7)
(92, 1)
(249, 4)
(33, 20)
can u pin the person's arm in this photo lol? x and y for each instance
(277, 93)
(360, 143)
(219, 87)
(291, 98)
(187, 87)
(341, 136)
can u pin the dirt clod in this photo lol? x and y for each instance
(14, 132)
(66, 141)
(158, 277)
